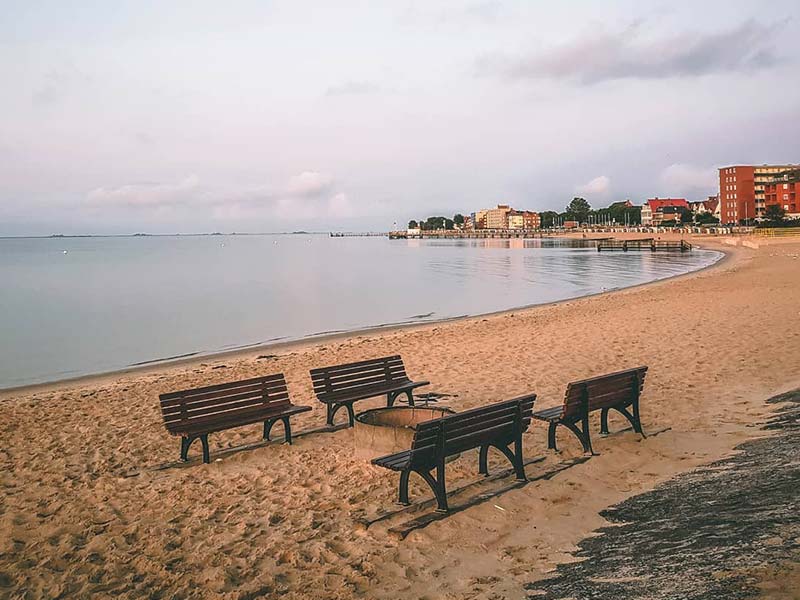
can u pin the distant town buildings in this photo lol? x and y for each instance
(503, 217)
(523, 219)
(702, 207)
(657, 211)
(745, 194)
(742, 190)
(497, 218)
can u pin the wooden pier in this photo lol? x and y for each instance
(341, 234)
(509, 234)
(651, 244)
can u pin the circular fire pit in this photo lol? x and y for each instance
(383, 431)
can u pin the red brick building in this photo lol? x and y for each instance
(531, 219)
(737, 199)
(742, 190)
(784, 191)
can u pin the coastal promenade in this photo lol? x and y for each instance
(93, 503)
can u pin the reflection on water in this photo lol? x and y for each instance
(108, 303)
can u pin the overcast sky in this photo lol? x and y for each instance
(270, 116)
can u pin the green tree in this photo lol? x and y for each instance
(775, 214)
(578, 209)
(458, 219)
(438, 223)
(412, 224)
(687, 216)
(548, 218)
(707, 218)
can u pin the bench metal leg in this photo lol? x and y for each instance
(287, 429)
(633, 419)
(186, 441)
(515, 458)
(402, 496)
(583, 435)
(268, 428)
(204, 441)
(435, 483)
(483, 456)
(391, 397)
(551, 436)
(441, 496)
(333, 409)
(604, 421)
(519, 462)
(637, 421)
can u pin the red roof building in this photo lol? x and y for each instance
(652, 210)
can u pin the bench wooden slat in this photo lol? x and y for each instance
(237, 420)
(607, 376)
(356, 366)
(225, 400)
(549, 414)
(370, 391)
(259, 390)
(255, 381)
(361, 382)
(242, 405)
(359, 373)
(499, 409)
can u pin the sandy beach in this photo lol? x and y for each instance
(93, 502)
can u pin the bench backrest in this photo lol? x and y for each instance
(496, 423)
(340, 380)
(217, 403)
(615, 389)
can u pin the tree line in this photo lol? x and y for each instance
(434, 223)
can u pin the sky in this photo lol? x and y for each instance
(258, 116)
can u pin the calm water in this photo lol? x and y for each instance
(108, 303)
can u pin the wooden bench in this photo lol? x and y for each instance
(342, 385)
(618, 391)
(195, 413)
(497, 425)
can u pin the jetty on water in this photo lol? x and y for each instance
(651, 244)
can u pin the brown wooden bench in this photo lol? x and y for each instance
(497, 425)
(195, 413)
(618, 391)
(342, 385)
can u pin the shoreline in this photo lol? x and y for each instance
(191, 359)
(91, 475)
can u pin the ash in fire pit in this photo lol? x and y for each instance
(383, 431)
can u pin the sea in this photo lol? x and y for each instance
(74, 306)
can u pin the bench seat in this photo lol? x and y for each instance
(340, 386)
(395, 462)
(499, 425)
(193, 414)
(618, 391)
(549, 414)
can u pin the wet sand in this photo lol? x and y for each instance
(86, 508)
